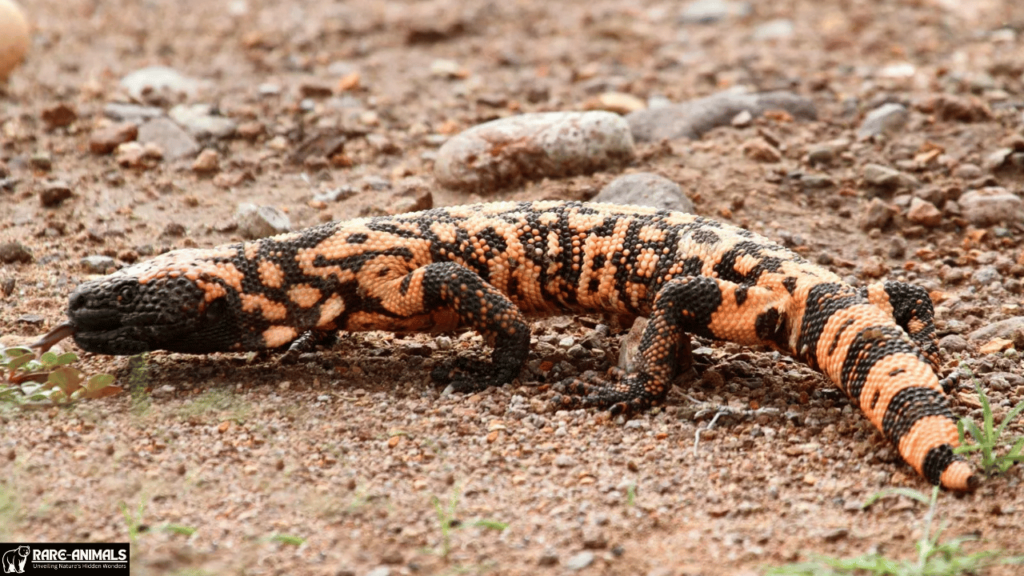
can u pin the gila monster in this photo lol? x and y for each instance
(485, 266)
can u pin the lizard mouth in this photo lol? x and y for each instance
(99, 327)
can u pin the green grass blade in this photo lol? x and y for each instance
(1010, 417)
(986, 410)
(908, 492)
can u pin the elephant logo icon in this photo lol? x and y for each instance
(14, 560)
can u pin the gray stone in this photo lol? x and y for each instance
(159, 84)
(886, 119)
(954, 343)
(878, 214)
(989, 206)
(645, 189)
(826, 152)
(379, 571)
(97, 264)
(173, 140)
(711, 11)
(693, 118)
(778, 29)
(260, 221)
(563, 461)
(880, 176)
(131, 112)
(338, 194)
(201, 122)
(985, 275)
(503, 153)
(548, 558)
(580, 561)
(1001, 329)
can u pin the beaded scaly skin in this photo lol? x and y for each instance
(487, 266)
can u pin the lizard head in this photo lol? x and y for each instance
(175, 302)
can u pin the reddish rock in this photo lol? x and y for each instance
(924, 213)
(59, 115)
(106, 140)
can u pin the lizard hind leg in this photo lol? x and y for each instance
(682, 306)
(911, 307)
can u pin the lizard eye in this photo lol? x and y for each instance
(216, 309)
(126, 295)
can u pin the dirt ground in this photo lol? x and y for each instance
(353, 451)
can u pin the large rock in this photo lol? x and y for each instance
(505, 152)
(645, 189)
(993, 205)
(1001, 329)
(692, 119)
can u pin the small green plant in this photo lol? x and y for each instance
(986, 437)
(178, 529)
(631, 495)
(448, 521)
(934, 558)
(138, 382)
(216, 404)
(9, 509)
(287, 539)
(50, 378)
(134, 520)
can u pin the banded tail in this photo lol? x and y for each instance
(855, 340)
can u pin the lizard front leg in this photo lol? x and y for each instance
(443, 296)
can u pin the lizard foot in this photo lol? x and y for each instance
(619, 392)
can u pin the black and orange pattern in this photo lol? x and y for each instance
(485, 266)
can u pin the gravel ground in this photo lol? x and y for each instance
(913, 170)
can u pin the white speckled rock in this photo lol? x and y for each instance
(505, 152)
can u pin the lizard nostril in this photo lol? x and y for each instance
(77, 301)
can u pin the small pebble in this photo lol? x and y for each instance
(106, 140)
(580, 561)
(886, 119)
(260, 221)
(11, 252)
(54, 193)
(97, 264)
(207, 162)
(645, 189)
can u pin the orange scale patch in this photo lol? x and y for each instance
(879, 297)
(271, 274)
(331, 309)
(212, 290)
(271, 310)
(279, 336)
(252, 250)
(304, 295)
